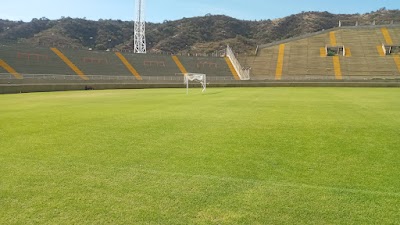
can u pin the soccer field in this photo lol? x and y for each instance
(229, 156)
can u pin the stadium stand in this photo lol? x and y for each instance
(85, 64)
(31, 60)
(305, 58)
(128, 66)
(179, 64)
(97, 63)
(344, 53)
(207, 65)
(232, 68)
(70, 64)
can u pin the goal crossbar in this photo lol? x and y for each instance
(198, 77)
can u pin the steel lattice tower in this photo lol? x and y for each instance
(139, 38)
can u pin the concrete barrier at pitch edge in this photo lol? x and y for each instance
(26, 88)
(312, 84)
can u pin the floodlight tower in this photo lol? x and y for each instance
(139, 36)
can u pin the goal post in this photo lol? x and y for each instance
(198, 77)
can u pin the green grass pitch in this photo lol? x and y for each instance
(229, 156)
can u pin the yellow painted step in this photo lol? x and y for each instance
(9, 69)
(69, 63)
(380, 50)
(232, 68)
(128, 66)
(337, 68)
(387, 36)
(348, 52)
(179, 64)
(332, 38)
(397, 61)
(279, 64)
(322, 52)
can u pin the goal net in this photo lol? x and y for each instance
(198, 77)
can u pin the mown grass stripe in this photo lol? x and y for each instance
(160, 156)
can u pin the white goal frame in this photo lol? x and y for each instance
(199, 77)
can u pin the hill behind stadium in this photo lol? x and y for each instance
(188, 35)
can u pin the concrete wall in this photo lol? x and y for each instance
(26, 88)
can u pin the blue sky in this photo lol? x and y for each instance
(160, 10)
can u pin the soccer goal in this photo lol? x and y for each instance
(198, 77)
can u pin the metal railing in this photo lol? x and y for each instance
(54, 77)
(328, 78)
(244, 73)
(174, 79)
(356, 23)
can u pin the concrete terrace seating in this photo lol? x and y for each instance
(395, 34)
(97, 63)
(26, 60)
(302, 54)
(152, 65)
(304, 59)
(365, 60)
(30, 60)
(212, 66)
(262, 66)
